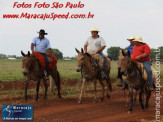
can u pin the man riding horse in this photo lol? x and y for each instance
(127, 51)
(141, 53)
(40, 44)
(95, 45)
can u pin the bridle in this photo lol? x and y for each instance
(130, 74)
(30, 62)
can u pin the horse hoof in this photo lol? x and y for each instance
(94, 101)
(126, 105)
(108, 96)
(129, 112)
(79, 101)
(59, 96)
(101, 99)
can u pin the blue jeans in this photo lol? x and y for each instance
(46, 63)
(122, 81)
(147, 67)
(104, 62)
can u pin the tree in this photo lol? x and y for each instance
(113, 52)
(2, 56)
(57, 53)
(156, 52)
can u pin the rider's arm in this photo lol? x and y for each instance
(100, 49)
(144, 55)
(50, 52)
(32, 47)
(85, 48)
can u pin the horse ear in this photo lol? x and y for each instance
(123, 53)
(77, 50)
(87, 54)
(28, 54)
(82, 50)
(128, 53)
(22, 54)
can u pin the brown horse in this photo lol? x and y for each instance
(91, 72)
(32, 70)
(135, 81)
(120, 58)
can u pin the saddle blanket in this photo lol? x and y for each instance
(40, 58)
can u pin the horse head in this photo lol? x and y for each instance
(26, 61)
(126, 63)
(81, 59)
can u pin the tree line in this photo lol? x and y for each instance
(112, 52)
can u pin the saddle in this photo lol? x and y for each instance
(144, 73)
(40, 58)
(99, 59)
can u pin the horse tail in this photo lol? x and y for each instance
(58, 78)
(58, 84)
(110, 86)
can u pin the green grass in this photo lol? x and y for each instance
(12, 70)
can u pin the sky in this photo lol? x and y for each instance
(116, 20)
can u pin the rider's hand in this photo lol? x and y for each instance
(33, 51)
(137, 58)
(94, 52)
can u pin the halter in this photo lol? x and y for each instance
(132, 85)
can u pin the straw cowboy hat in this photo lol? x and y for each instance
(131, 38)
(138, 39)
(42, 32)
(94, 29)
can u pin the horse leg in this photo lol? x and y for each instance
(147, 98)
(102, 85)
(135, 96)
(82, 88)
(95, 97)
(128, 97)
(26, 87)
(56, 78)
(108, 86)
(46, 88)
(37, 89)
(131, 101)
(140, 100)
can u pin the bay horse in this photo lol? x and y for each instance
(135, 81)
(32, 70)
(91, 72)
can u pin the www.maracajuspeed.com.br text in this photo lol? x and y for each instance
(52, 16)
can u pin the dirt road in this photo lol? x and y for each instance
(68, 110)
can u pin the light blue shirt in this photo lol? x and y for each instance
(41, 45)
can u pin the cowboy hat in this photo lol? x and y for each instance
(138, 39)
(42, 32)
(94, 29)
(131, 38)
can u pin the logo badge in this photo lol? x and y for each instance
(17, 112)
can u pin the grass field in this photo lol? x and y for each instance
(12, 70)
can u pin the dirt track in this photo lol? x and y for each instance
(67, 109)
